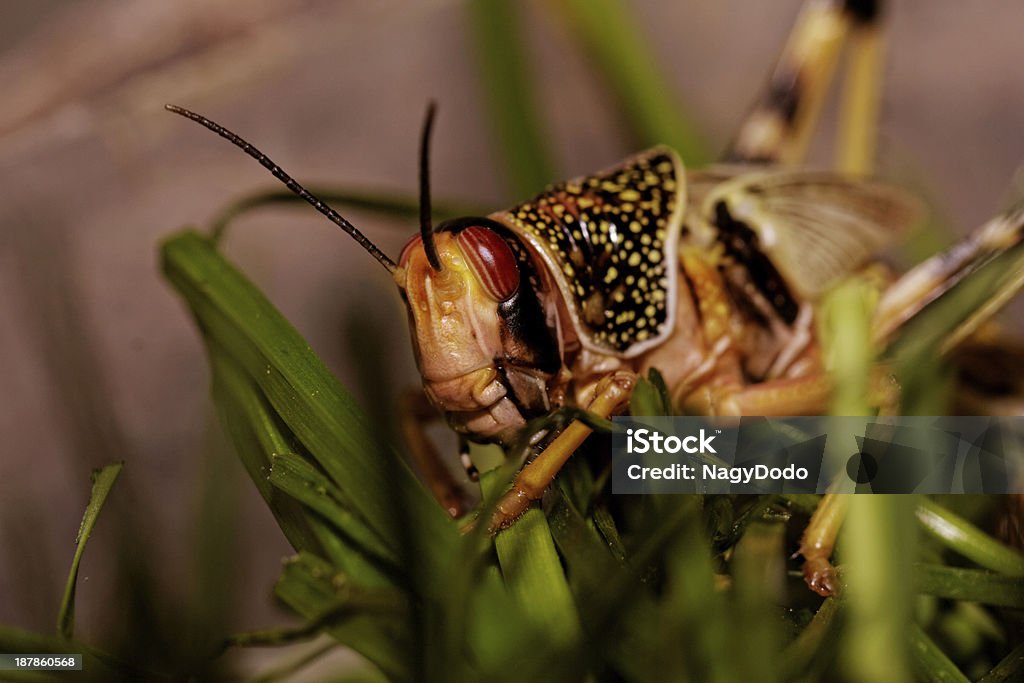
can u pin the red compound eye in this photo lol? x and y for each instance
(407, 249)
(492, 260)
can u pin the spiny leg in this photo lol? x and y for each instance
(779, 128)
(415, 413)
(612, 394)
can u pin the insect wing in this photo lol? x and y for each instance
(610, 241)
(813, 227)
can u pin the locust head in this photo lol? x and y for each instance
(484, 335)
(480, 333)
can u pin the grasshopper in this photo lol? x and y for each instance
(711, 276)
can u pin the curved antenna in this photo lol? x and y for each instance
(289, 182)
(426, 230)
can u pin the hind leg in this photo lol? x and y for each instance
(778, 129)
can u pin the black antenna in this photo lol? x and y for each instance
(426, 230)
(289, 182)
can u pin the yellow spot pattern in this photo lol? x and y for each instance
(607, 233)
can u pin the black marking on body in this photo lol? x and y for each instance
(784, 94)
(863, 11)
(742, 245)
(607, 234)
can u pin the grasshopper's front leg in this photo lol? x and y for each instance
(611, 395)
(415, 413)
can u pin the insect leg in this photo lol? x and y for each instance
(779, 127)
(861, 99)
(415, 413)
(818, 541)
(467, 463)
(932, 282)
(611, 395)
(789, 396)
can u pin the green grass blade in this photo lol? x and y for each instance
(650, 396)
(386, 204)
(534, 576)
(589, 562)
(364, 560)
(377, 485)
(374, 623)
(617, 45)
(876, 548)
(759, 572)
(1011, 668)
(691, 610)
(968, 540)
(256, 435)
(975, 585)
(930, 662)
(817, 637)
(535, 580)
(102, 481)
(846, 322)
(497, 31)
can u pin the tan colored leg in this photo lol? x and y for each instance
(415, 413)
(861, 100)
(819, 540)
(780, 125)
(611, 395)
(792, 396)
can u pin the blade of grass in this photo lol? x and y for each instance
(691, 610)
(373, 623)
(816, 638)
(846, 333)
(930, 662)
(296, 477)
(1011, 668)
(255, 433)
(876, 549)
(975, 585)
(588, 561)
(377, 485)
(387, 204)
(617, 45)
(621, 624)
(498, 37)
(759, 573)
(102, 481)
(261, 440)
(968, 540)
(534, 576)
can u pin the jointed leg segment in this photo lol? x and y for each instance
(612, 395)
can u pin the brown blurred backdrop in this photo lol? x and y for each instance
(100, 362)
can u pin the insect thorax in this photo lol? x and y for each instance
(609, 241)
